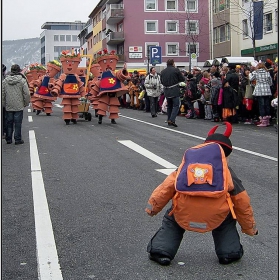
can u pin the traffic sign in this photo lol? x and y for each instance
(155, 55)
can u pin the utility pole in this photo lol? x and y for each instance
(190, 59)
(148, 59)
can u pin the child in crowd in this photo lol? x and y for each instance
(230, 99)
(206, 100)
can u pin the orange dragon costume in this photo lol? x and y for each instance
(165, 243)
(44, 85)
(110, 86)
(69, 86)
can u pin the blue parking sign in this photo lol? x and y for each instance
(155, 55)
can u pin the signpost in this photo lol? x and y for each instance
(155, 55)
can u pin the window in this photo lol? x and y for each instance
(192, 48)
(68, 38)
(268, 22)
(192, 27)
(151, 26)
(220, 5)
(62, 38)
(147, 47)
(245, 28)
(172, 49)
(191, 6)
(56, 38)
(151, 5)
(74, 38)
(221, 34)
(171, 5)
(171, 26)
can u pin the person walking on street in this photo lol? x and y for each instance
(15, 96)
(153, 88)
(170, 78)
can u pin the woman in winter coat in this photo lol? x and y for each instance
(262, 92)
(153, 88)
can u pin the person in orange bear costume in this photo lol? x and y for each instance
(69, 86)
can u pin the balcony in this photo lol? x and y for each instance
(115, 14)
(115, 38)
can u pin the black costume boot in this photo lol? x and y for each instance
(48, 114)
(74, 121)
(95, 112)
(100, 119)
(113, 121)
(67, 122)
(38, 112)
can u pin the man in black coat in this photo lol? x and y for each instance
(170, 78)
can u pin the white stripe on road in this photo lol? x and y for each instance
(57, 105)
(48, 265)
(28, 110)
(30, 119)
(201, 138)
(135, 147)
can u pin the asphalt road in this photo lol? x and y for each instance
(96, 185)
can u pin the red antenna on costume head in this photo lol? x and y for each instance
(228, 129)
(212, 130)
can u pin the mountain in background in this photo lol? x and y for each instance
(22, 52)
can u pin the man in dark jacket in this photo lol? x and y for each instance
(170, 78)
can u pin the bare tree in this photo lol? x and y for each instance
(193, 31)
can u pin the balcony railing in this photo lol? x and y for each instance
(115, 13)
(115, 38)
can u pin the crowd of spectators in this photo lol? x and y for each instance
(228, 92)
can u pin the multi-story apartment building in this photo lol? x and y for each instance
(232, 29)
(179, 27)
(59, 36)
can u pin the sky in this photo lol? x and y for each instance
(22, 19)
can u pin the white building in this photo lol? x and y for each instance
(59, 36)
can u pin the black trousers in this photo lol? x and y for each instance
(168, 238)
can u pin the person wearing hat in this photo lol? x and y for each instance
(164, 245)
(15, 96)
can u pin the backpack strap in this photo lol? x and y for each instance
(230, 204)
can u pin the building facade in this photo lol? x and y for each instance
(179, 27)
(234, 27)
(59, 36)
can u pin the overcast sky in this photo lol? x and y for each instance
(22, 19)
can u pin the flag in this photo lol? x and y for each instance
(258, 20)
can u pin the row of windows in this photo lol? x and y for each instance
(172, 26)
(174, 49)
(152, 5)
(172, 5)
(65, 38)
